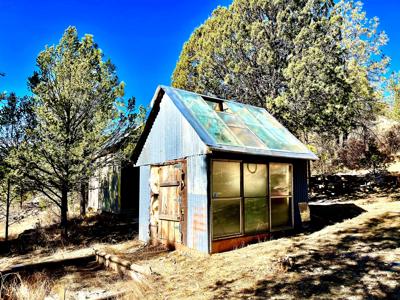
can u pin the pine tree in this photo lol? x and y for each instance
(77, 98)
(16, 118)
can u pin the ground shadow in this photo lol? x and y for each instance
(348, 263)
(103, 228)
(323, 215)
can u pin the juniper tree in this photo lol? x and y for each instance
(292, 57)
(77, 98)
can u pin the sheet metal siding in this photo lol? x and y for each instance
(171, 137)
(197, 187)
(300, 189)
(144, 204)
(93, 194)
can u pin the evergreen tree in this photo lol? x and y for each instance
(292, 57)
(16, 118)
(394, 87)
(77, 100)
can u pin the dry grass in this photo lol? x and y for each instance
(93, 281)
(35, 287)
(89, 281)
(358, 259)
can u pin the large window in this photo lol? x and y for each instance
(281, 195)
(255, 197)
(226, 205)
(244, 203)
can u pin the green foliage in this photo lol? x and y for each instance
(308, 62)
(363, 41)
(394, 87)
(16, 118)
(42, 204)
(77, 98)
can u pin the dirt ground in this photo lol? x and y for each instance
(350, 251)
(358, 258)
(33, 244)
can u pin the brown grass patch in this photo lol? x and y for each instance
(357, 258)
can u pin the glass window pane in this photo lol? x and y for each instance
(246, 137)
(226, 217)
(271, 141)
(204, 113)
(241, 111)
(277, 131)
(281, 179)
(217, 129)
(281, 212)
(212, 115)
(226, 179)
(255, 180)
(231, 120)
(256, 214)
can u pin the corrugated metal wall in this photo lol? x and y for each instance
(144, 203)
(197, 226)
(171, 137)
(93, 194)
(105, 188)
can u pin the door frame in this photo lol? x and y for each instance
(183, 204)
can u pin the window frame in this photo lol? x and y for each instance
(222, 198)
(243, 198)
(290, 196)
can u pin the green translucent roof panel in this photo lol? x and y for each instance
(234, 126)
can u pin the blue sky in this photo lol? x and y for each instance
(143, 38)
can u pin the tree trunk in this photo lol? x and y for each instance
(21, 197)
(8, 203)
(309, 176)
(84, 197)
(64, 211)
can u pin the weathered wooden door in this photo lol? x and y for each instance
(171, 219)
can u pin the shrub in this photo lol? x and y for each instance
(390, 140)
(366, 153)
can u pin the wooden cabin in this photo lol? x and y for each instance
(216, 174)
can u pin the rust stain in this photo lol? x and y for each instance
(234, 243)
